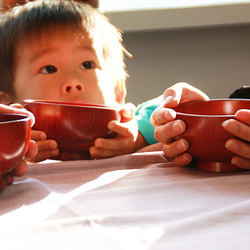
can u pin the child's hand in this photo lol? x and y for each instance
(167, 128)
(20, 169)
(128, 138)
(240, 128)
(125, 142)
(46, 148)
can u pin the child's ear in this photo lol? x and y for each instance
(5, 98)
(120, 92)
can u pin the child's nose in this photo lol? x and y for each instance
(72, 87)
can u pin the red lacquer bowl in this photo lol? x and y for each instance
(205, 133)
(73, 126)
(14, 140)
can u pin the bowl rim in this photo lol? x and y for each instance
(69, 104)
(212, 100)
(196, 115)
(22, 118)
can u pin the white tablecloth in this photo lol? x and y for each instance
(136, 201)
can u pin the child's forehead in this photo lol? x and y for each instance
(52, 36)
(47, 35)
(58, 41)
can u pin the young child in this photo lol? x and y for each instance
(167, 128)
(66, 51)
(21, 168)
(69, 51)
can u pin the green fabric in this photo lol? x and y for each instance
(143, 113)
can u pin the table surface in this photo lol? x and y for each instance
(137, 201)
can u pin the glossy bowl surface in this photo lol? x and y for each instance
(73, 126)
(14, 140)
(205, 133)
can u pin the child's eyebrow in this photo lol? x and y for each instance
(86, 47)
(40, 53)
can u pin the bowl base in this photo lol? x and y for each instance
(216, 167)
(66, 156)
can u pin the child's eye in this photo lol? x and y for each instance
(49, 69)
(87, 65)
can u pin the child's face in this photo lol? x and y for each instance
(65, 68)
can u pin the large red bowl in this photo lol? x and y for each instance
(205, 133)
(73, 126)
(14, 140)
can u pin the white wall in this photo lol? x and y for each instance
(216, 60)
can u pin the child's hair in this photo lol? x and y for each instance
(6, 4)
(45, 16)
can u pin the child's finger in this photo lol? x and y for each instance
(238, 147)
(46, 145)
(176, 148)
(123, 129)
(243, 115)
(127, 112)
(182, 92)
(237, 128)
(111, 144)
(98, 153)
(240, 162)
(166, 132)
(161, 116)
(20, 169)
(32, 150)
(37, 135)
(43, 155)
(46, 150)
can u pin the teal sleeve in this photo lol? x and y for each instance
(143, 113)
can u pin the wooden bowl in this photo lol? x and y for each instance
(205, 133)
(14, 140)
(73, 126)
